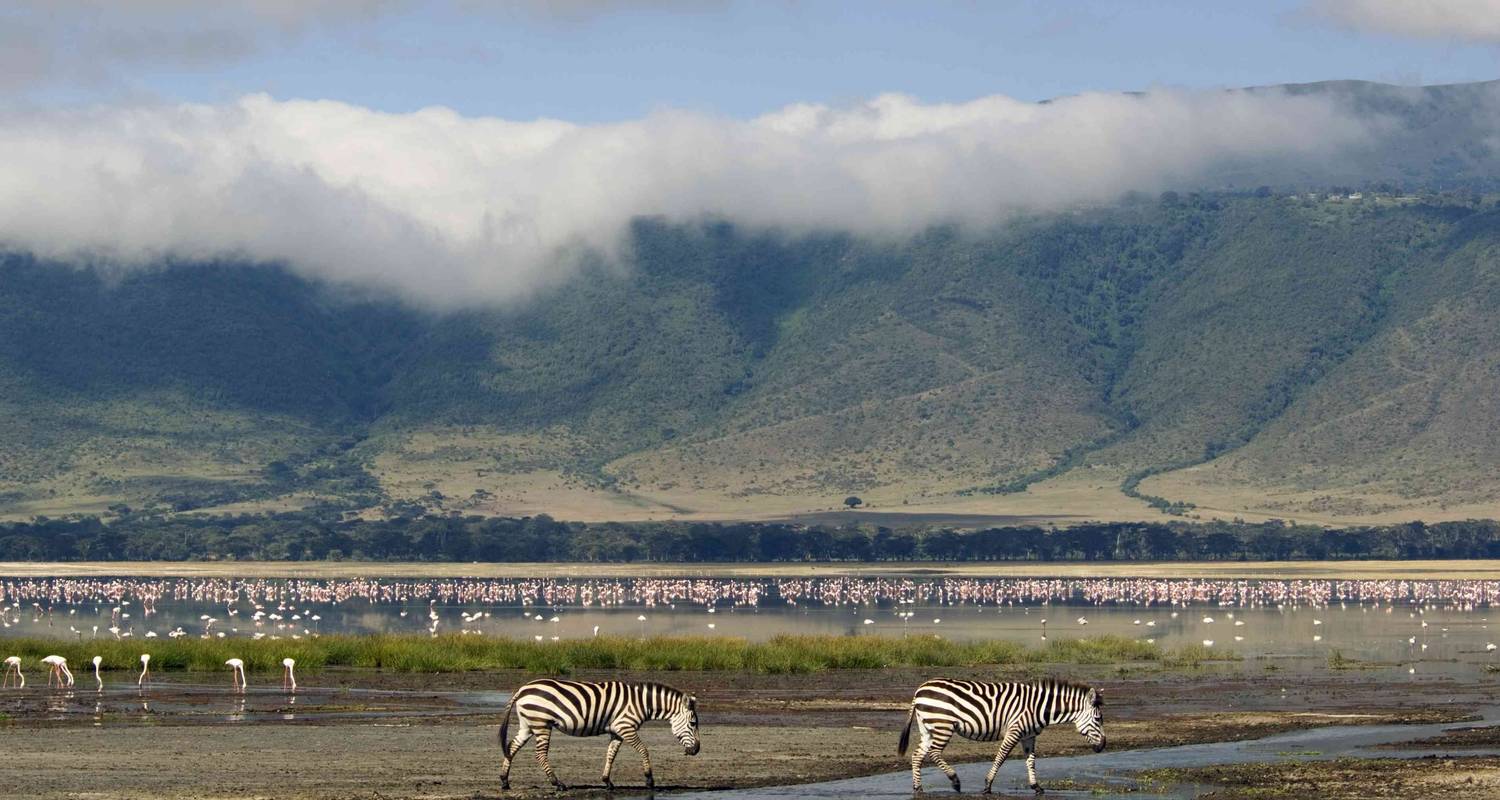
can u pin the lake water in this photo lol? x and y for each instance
(1426, 626)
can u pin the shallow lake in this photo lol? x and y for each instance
(1424, 626)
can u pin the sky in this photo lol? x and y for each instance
(610, 60)
(468, 152)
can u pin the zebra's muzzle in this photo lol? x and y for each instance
(691, 749)
(1099, 745)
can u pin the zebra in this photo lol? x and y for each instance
(580, 708)
(1009, 712)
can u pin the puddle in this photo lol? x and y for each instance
(189, 703)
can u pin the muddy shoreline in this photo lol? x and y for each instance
(357, 734)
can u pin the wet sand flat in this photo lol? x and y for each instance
(368, 735)
(1461, 778)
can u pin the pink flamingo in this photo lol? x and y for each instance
(59, 671)
(288, 680)
(237, 674)
(97, 679)
(13, 667)
(145, 668)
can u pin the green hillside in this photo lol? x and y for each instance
(1249, 353)
(1290, 351)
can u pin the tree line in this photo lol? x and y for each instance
(313, 535)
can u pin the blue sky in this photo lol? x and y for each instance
(605, 60)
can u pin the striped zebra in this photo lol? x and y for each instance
(1008, 712)
(580, 708)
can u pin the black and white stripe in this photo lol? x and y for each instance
(580, 708)
(1008, 712)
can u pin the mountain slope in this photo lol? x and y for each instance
(1276, 353)
(1409, 423)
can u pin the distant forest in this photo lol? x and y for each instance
(309, 536)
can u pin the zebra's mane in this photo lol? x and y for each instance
(670, 694)
(1057, 683)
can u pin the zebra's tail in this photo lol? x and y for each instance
(505, 728)
(906, 732)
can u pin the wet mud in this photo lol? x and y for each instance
(362, 734)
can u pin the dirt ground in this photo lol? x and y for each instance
(1348, 779)
(351, 734)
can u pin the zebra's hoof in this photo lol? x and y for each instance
(956, 786)
(1037, 787)
(609, 785)
(504, 785)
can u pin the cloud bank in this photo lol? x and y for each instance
(1465, 20)
(450, 210)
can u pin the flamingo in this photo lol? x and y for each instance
(97, 679)
(145, 668)
(13, 666)
(288, 679)
(237, 673)
(59, 670)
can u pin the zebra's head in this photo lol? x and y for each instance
(1089, 720)
(684, 721)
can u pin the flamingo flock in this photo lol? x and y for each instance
(60, 676)
(294, 607)
(231, 608)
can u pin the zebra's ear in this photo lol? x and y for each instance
(692, 703)
(1096, 698)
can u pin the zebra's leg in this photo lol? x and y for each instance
(543, 742)
(940, 738)
(512, 748)
(918, 758)
(609, 759)
(633, 739)
(1007, 744)
(1029, 746)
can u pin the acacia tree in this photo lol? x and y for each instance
(852, 501)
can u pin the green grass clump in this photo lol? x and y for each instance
(1195, 654)
(456, 653)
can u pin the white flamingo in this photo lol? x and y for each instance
(145, 668)
(59, 671)
(288, 678)
(13, 667)
(97, 679)
(237, 674)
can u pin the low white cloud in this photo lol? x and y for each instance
(1465, 20)
(451, 210)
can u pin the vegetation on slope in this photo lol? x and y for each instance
(1135, 339)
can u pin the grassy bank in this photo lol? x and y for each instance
(455, 653)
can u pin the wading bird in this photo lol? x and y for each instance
(288, 680)
(237, 674)
(13, 667)
(97, 679)
(59, 671)
(145, 668)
